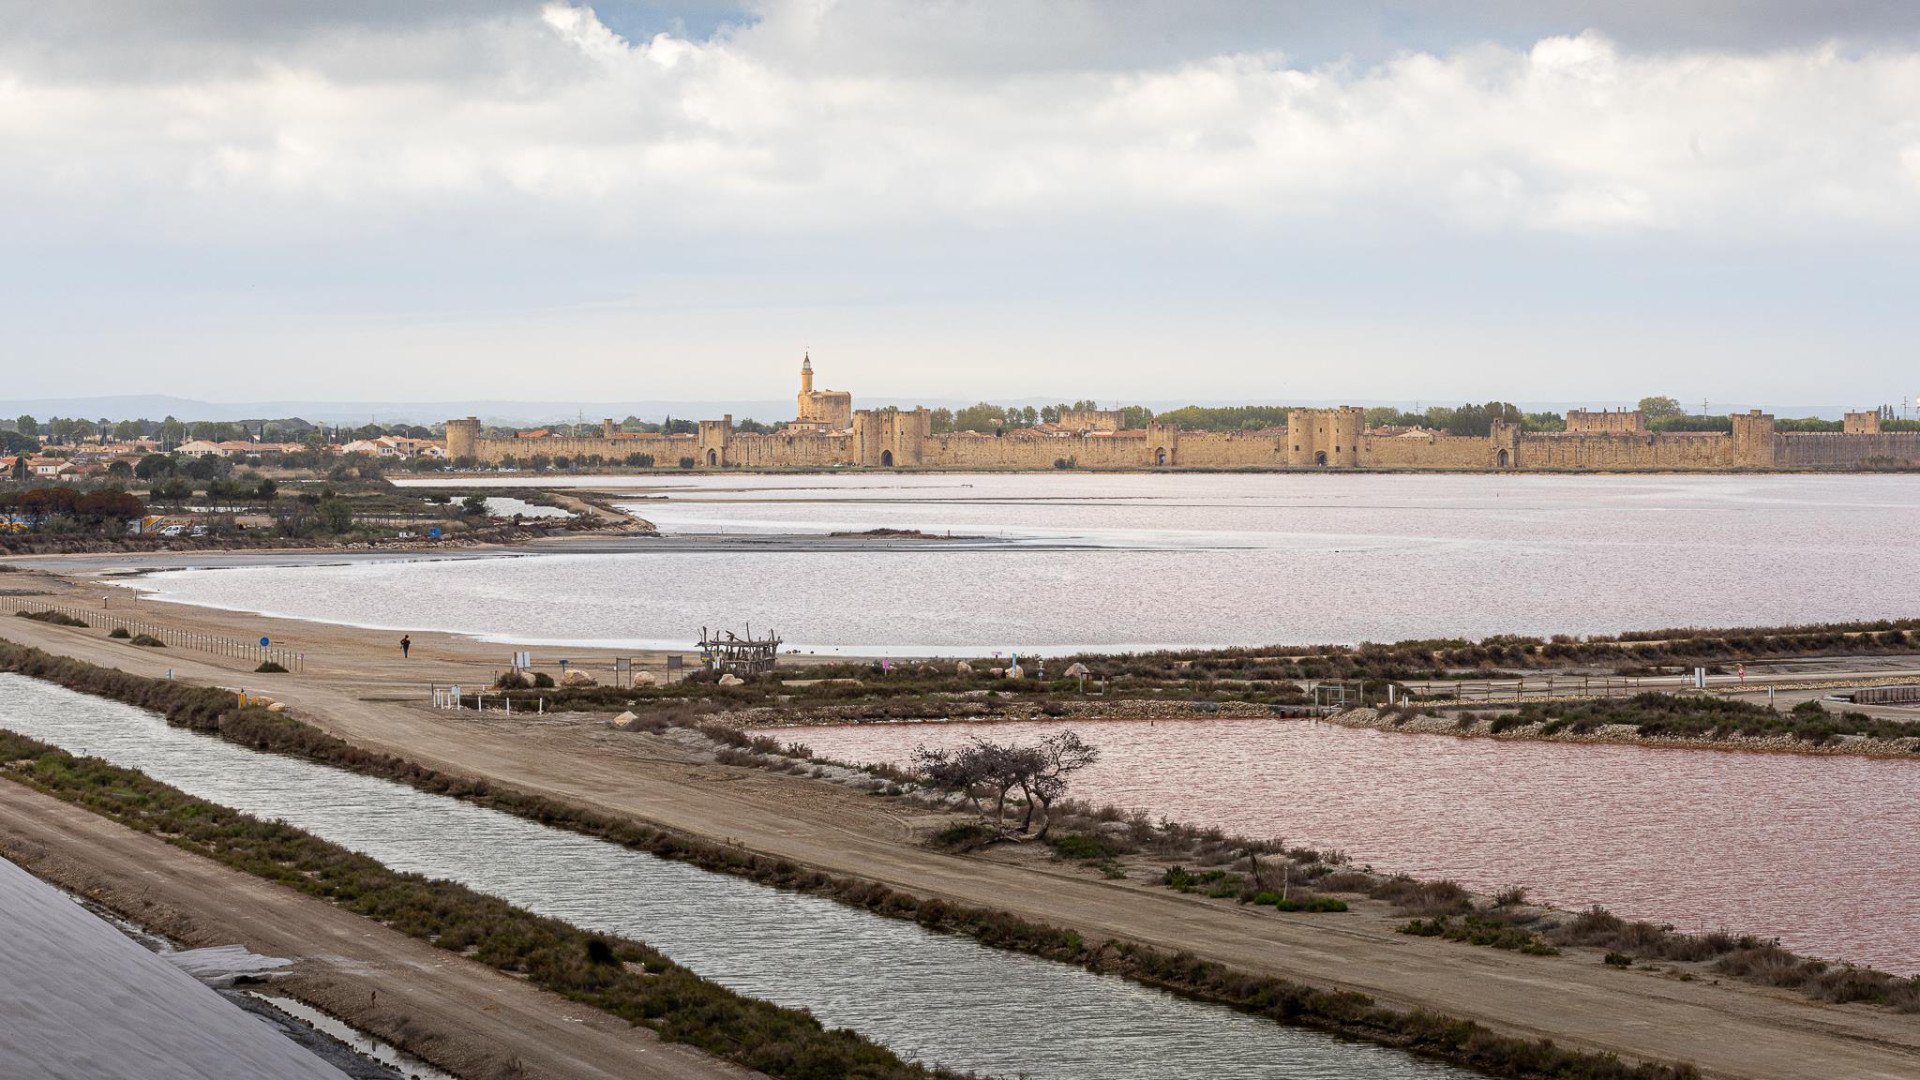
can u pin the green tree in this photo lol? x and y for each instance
(1660, 408)
(474, 505)
(27, 425)
(336, 514)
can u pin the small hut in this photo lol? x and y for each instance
(731, 654)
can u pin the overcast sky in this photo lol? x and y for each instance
(1526, 199)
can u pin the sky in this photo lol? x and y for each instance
(1210, 200)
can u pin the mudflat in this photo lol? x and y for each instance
(357, 687)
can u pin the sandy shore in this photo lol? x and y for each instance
(455, 1013)
(357, 687)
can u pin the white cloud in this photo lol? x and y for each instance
(995, 196)
(553, 113)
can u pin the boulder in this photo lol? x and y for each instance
(644, 678)
(1077, 671)
(963, 668)
(730, 679)
(1016, 672)
(576, 677)
(624, 720)
(277, 706)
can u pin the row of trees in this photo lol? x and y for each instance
(71, 431)
(100, 507)
(992, 419)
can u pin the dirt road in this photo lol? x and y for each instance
(1728, 1030)
(458, 1014)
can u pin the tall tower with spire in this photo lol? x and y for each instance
(821, 410)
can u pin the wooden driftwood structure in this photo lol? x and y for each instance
(736, 655)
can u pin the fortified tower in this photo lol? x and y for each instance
(716, 438)
(1503, 440)
(1619, 421)
(463, 438)
(1861, 423)
(889, 438)
(1325, 437)
(1753, 440)
(822, 410)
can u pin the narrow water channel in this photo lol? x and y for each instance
(940, 999)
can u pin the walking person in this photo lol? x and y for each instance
(406, 646)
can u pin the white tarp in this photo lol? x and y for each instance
(79, 1000)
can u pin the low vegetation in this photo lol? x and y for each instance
(1654, 714)
(621, 977)
(53, 618)
(1457, 1041)
(1495, 930)
(1636, 652)
(1462, 1042)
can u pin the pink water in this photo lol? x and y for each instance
(1822, 852)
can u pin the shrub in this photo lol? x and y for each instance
(269, 667)
(1310, 904)
(119, 633)
(52, 618)
(147, 641)
(1619, 960)
(963, 838)
(1477, 930)
(1422, 897)
(1083, 846)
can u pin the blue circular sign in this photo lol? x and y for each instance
(433, 533)
(264, 642)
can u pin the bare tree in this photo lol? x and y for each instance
(1046, 769)
(980, 767)
(986, 769)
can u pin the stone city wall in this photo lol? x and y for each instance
(1313, 439)
(1837, 450)
(1650, 450)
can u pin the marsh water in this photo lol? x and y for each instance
(1128, 562)
(937, 998)
(1819, 851)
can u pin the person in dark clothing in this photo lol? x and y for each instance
(406, 646)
